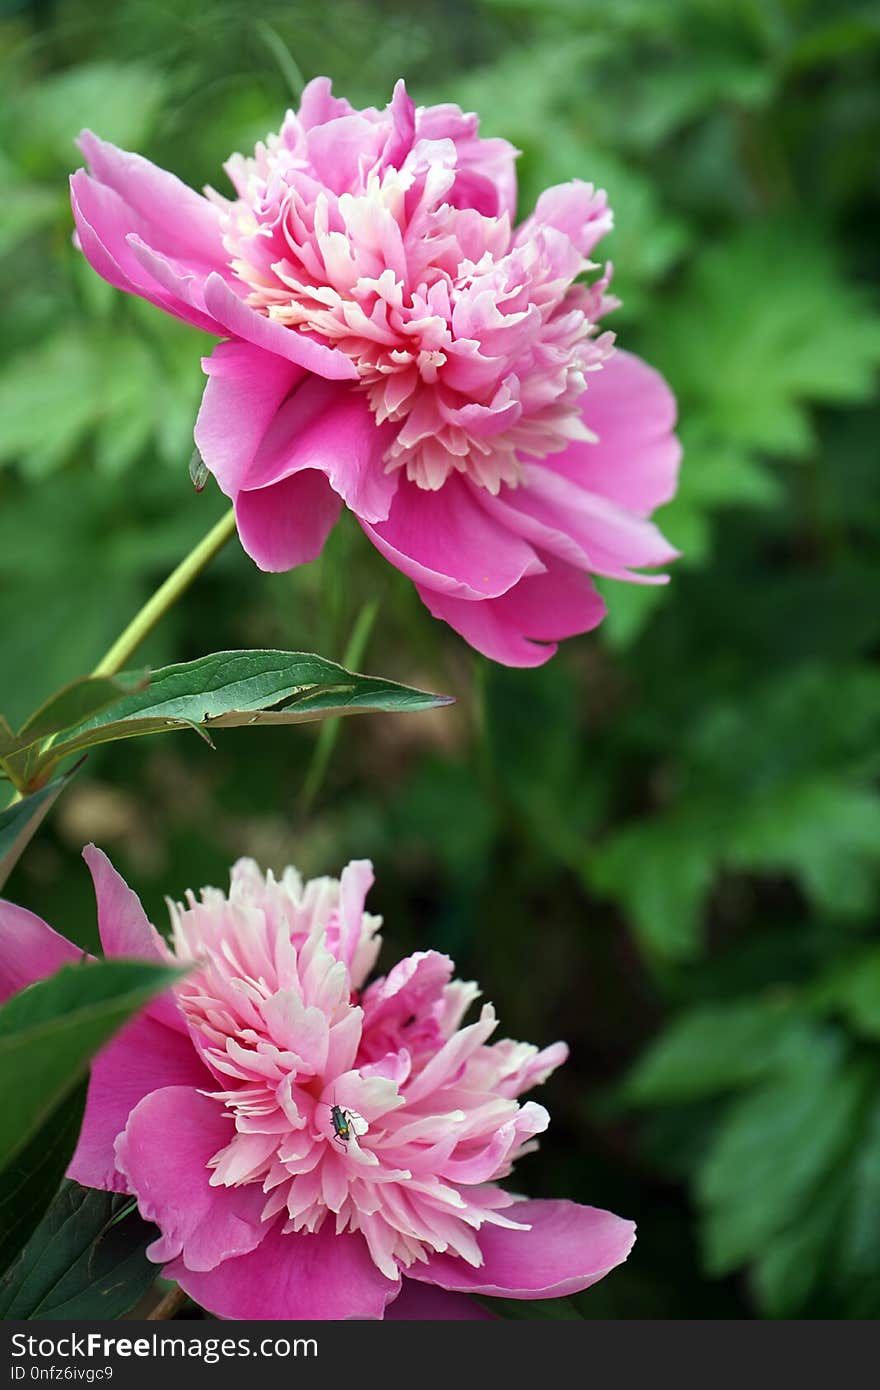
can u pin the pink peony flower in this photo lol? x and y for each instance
(311, 1146)
(394, 344)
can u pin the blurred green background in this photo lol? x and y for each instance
(664, 846)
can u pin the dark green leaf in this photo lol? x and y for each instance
(715, 1049)
(20, 821)
(233, 689)
(775, 1146)
(86, 1260)
(28, 1183)
(79, 701)
(49, 1031)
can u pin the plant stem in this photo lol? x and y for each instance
(156, 607)
(168, 1306)
(326, 741)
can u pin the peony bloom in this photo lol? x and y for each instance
(394, 344)
(310, 1145)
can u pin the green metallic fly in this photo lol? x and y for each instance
(346, 1123)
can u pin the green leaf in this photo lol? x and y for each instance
(119, 99)
(787, 1271)
(86, 1260)
(860, 1233)
(80, 700)
(773, 1150)
(714, 1049)
(660, 870)
(49, 1032)
(234, 689)
(825, 830)
(20, 821)
(854, 989)
(768, 343)
(28, 1183)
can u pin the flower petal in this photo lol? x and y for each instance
(126, 931)
(122, 922)
(568, 1248)
(181, 222)
(328, 427)
(104, 223)
(144, 1057)
(521, 627)
(322, 1277)
(577, 209)
(582, 527)
(245, 389)
(286, 524)
(29, 949)
(450, 545)
(635, 461)
(240, 321)
(164, 1153)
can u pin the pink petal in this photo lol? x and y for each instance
(448, 543)
(286, 525)
(635, 462)
(541, 609)
(240, 321)
(409, 988)
(575, 208)
(125, 930)
(568, 1248)
(181, 222)
(581, 527)
(318, 104)
(164, 1153)
(426, 1303)
(330, 428)
(144, 1057)
(104, 223)
(354, 885)
(245, 389)
(29, 949)
(122, 922)
(322, 1277)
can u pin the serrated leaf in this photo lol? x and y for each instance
(826, 831)
(715, 1049)
(779, 328)
(773, 1149)
(787, 1271)
(49, 1032)
(232, 690)
(85, 1261)
(28, 1183)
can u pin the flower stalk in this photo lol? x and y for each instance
(165, 597)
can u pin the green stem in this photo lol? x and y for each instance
(165, 597)
(326, 742)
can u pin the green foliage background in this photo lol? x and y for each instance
(665, 846)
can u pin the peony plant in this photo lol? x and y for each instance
(393, 344)
(312, 1141)
(311, 1145)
